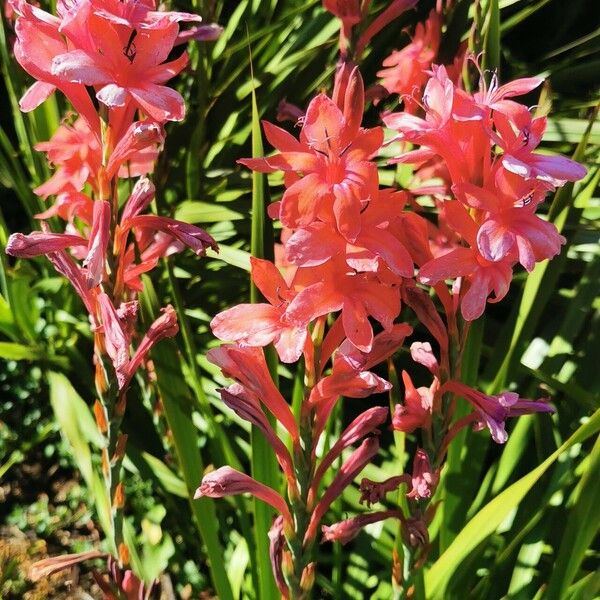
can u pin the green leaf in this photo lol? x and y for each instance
(194, 211)
(79, 428)
(582, 526)
(14, 351)
(232, 256)
(169, 480)
(177, 406)
(542, 280)
(489, 518)
(263, 461)
(491, 38)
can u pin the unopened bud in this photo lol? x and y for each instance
(123, 554)
(105, 463)
(120, 448)
(100, 376)
(119, 497)
(287, 564)
(397, 575)
(100, 417)
(307, 580)
(414, 532)
(120, 405)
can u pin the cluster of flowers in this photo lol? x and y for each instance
(351, 248)
(117, 49)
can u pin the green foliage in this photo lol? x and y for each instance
(519, 522)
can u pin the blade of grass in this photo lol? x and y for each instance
(542, 280)
(177, 410)
(79, 428)
(489, 518)
(582, 526)
(491, 39)
(263, 462)
(462, 473)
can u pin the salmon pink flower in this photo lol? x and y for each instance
(41, 242)
(249, 368)
(38, 42)
(356, 295)
(346, 530)
(417, 408)
(228, 482)
(75, 151)
(374, 247)
(260, 324)
(348, 471)
(494, 410)
(123, 57)
(69, 205)
(405, 71)
(519, 133)
(332, 155)
(484, 276)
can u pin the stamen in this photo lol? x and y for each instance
(130, 50)
(345, 150)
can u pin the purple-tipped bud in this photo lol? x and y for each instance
(365, 423)
(40, 242)
(246, 404)
(424, 479)
(194, 237)
(201, 33)
(494, 410)
(163, 327)
(348, 471)
(247, 365)
(141, 196)
(422, 353)
(98, 243)
(276, 548)
(344, 531)
(229, 482)
(116, 340)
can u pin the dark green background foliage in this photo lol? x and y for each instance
(537, 539)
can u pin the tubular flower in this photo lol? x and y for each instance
(260, 324)
(405, 71)
(332, 154)
(344, 531)
(348, 471)
(249, 368)
(123, 58)
(493, 411)
(417, 408)
(228, 482)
